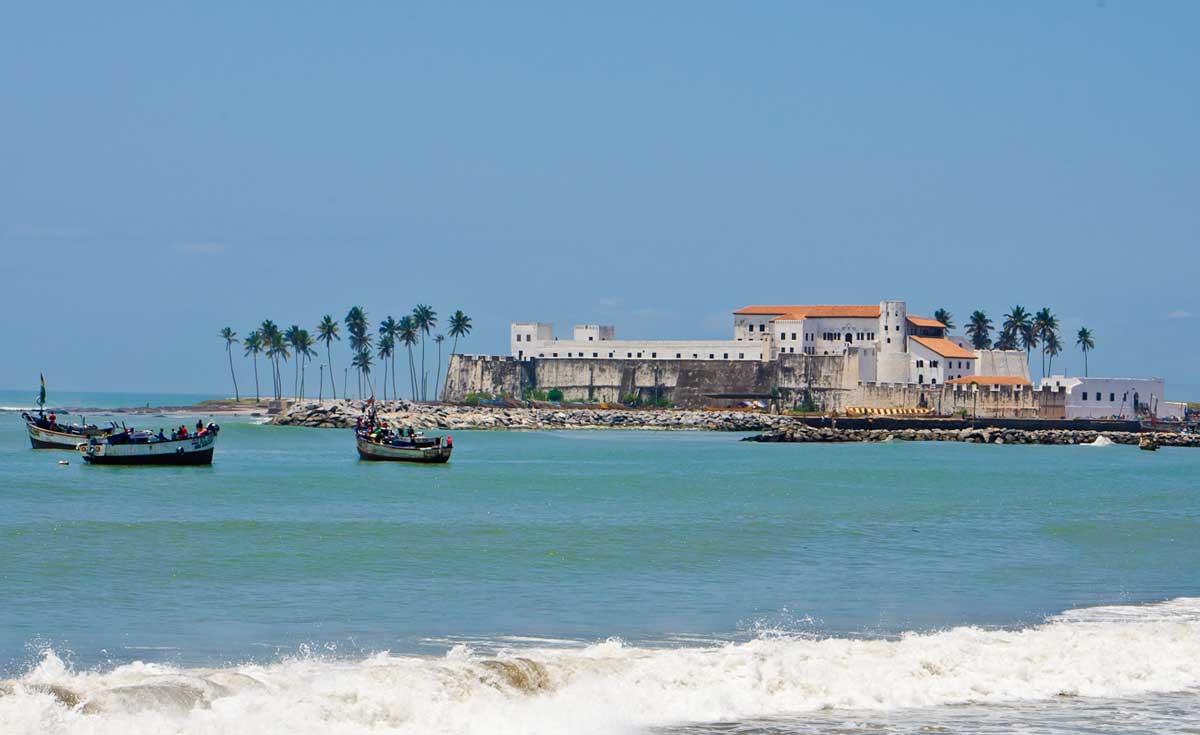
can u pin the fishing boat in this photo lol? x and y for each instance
(145, 448)
(386, 446)
(47, 434)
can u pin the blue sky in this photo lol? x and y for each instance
(170, 168)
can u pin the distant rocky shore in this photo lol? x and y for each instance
(772, 428)
(801, 434)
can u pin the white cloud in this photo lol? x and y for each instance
(1179, 314)
(199, 248)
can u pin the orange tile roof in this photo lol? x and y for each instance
(944, 347)
(812, 311)
(921, 321)
(989, 380)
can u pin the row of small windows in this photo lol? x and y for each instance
(653, 355)
(932, 364)
(1112, 397)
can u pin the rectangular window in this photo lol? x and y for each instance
(742, 355)
(920, 363)
(653, 354)
(1085, 395)
(639, 354)
(710, 356)
(726, 356)
(610, 354)
(1112, 397)
(555, 354)
(628, 354)
(589, 338)
(595, 354)
(677, 355)
(933, 363)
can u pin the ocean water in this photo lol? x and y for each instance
(26, 400)
(601, 582)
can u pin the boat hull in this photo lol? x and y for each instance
(191, 451)
(373, 452)
(41, 438)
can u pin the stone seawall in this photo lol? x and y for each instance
(831, 382)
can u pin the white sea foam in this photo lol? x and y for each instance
(1111, 652)
(1101, 441)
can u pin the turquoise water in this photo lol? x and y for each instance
(643, 580)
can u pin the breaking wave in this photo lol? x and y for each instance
(610, 687)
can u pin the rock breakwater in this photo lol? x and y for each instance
(341, 414)
(800, 434)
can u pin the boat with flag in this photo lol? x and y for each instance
(377, 441)
(45, 432)
(146, 448)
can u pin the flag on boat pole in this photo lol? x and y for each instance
(42, 392)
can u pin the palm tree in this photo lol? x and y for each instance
(292, 337)
(254, 344)
(1045, 324)
(304, 350)
(230, 338)
(438, 340)
(327, 332)
(979, 328)
(356, 323)
(1006, 341)
(1086, 343)
(271, 337)
(387, 349)
(460, 326)
(944, 317)
(277, 348)
(426, 319)
(408, 335)
(362, 362)
(1019, 328)
(1051, 347)
(389, 328)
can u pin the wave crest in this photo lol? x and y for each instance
(1109, 652)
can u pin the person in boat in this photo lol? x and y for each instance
(161, 437)
(199, 426)
(183, 432)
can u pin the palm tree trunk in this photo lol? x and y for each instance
(385, 374)
(236, 396)
(257, 397)
(395, 393)
(412, 374)
(332, 382)
(1085, 368)
(437, 378)
(422, 368)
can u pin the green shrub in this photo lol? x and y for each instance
(555, 395)
(473, 399)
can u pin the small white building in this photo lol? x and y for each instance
(1123, 398)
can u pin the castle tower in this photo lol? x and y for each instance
(893, 327)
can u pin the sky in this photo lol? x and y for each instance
(167, 169)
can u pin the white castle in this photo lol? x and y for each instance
(889, 344)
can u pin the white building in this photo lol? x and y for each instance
(889, 344)
(1102, 398)
(535, 340)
